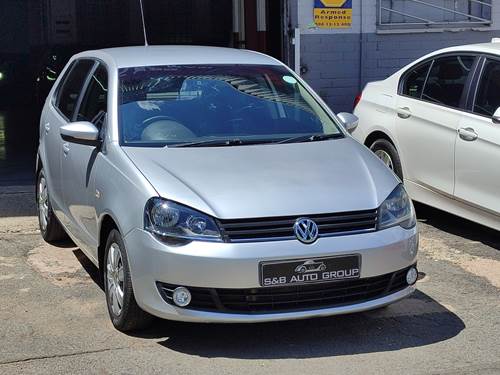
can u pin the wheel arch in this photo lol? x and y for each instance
(38, 163)
(107, 224)
(378, 134)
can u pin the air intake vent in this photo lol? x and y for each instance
(293, 297)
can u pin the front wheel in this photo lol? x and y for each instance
(386, 152)
(123, 309)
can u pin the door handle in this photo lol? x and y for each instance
(47, 128)
(467, 134)
(404, 112)
(65, 148)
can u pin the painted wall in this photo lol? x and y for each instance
(339, 62)
(13, 40)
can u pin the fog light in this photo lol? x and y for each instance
(412, 276)
(181, 296)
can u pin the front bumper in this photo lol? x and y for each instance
(236, 265)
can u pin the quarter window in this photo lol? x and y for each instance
(70, 90)
(488, 94)
(94, 103)
(447, 80)
(415, 81)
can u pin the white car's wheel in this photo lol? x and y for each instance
(386, 152)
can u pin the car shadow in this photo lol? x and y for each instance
(64, 244)
(457, 226)
(416, 321)
(89, 267)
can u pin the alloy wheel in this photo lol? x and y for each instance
(386, 158)
(43, 203)
(114, 278)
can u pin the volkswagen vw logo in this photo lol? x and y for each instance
(305, 230)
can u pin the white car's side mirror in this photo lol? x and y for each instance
(496, 116)
(82, 132)
(349, 121)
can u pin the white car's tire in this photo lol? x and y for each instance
(386, 152)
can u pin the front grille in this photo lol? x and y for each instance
(291, 298)
(245, 230)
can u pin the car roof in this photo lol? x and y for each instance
(124, 57)
(491, 48)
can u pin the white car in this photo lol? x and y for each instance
(436, 124)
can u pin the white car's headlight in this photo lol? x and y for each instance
(169, 219)
(397, 209)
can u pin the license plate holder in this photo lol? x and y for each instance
(310, 270)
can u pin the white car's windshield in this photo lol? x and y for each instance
(200, 105)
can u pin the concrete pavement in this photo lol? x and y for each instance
(53, 316)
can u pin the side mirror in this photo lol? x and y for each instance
(81, 132)
(349, 121)
(496, 117)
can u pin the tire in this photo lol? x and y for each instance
(50, 227)
(386, 151)
(127, 315)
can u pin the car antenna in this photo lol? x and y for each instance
(143, 24)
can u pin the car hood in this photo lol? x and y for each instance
(268, 180)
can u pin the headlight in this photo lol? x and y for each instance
(169, 219)
(397, 209)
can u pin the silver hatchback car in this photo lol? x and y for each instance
(213, 185)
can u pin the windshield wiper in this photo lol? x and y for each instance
(221, 143)
(241, 142)
(311, 138)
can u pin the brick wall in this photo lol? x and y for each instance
(338, 63)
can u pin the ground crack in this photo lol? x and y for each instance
(61, 355)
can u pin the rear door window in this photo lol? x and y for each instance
(415, 80)
(447, 79)
(69, 92)
(488, 94)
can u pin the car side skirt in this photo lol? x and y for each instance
(426, 195)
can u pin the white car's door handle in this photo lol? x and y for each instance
(65, 148)
(47, 128)
(404, 112)
(467, 134)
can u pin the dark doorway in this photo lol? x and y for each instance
(276, 29)
(197, 22)
(259, 26)
(37, 37)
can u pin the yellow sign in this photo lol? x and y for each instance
(333, 14)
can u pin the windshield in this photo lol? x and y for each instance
(196, 105)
